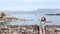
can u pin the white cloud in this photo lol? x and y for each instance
(33, 0)
(39, 0)
(29, 0)
(23, 0)
(7, 0)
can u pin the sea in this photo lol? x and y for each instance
(55, 20)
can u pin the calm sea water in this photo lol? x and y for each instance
(55, 20)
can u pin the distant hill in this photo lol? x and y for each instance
(40, 11)
(53, 14)
(48, 11)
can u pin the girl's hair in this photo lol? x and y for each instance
(43, 19)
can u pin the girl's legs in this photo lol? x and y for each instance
(43, 32)
(40, 31)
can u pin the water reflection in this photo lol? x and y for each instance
(2, 23)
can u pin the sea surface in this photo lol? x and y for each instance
(55, 20)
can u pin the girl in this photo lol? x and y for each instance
(42, 24)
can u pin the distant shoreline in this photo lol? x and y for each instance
(53, 14)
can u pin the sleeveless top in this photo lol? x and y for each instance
(42, 24)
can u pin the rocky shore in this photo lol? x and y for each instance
(28, 29)
(52, 29)
(6, 17)
(10, 19)
(22, 29)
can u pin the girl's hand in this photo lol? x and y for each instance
(37, 16)
(48, 22)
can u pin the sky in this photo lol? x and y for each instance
(28, 5)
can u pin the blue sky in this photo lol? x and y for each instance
(28, 5)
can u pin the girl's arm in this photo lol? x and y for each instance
(37, 17)
(48, 22)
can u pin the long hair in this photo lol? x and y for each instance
(43, 19)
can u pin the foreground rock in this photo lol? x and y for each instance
(52, 29)
(22, 29)
(28, 29)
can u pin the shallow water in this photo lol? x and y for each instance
(55, 20)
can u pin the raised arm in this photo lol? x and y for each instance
(37, 17)
(48, 22)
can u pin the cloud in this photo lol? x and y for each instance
(23, 0)
(40, 0)
(29, 0)
(33, 0)
(7, 0)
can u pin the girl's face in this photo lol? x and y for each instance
(43, 19)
